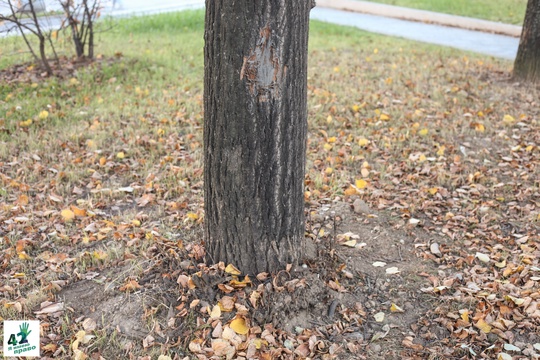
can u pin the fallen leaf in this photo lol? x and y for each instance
(215, 313)
(67, 215)
(350, 243)
(379, 317)
(231, 269)
(483, 326)
(360, 184)
(239, 325)
(131, 285)
(482, 257)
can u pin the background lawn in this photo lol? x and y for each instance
(506, 11)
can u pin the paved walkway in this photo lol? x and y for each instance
(501, 46)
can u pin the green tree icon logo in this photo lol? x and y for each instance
(24, 332)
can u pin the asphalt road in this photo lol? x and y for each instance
(500, 46)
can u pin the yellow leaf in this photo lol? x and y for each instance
(328, 171)
(479, 127)
(121, 155)
(433, 190)
(384, 117)
(483, 326)
(67, 215)
(329, 119)
(332, 139)
(355, 108)
(25, 123)
(422, 158)
(363, 142)
(239, 326)
(43, 114)
(441, 150)
(231, 269)
(352, 191)
(102, 161)
(336, 69)
(135, 222)
(327, 147)
(24, 256)
(192, 216)
(361, 183)
(508, 119)
(258, 343)
(99, 255)
(388, 81)
(423, 132)
(465, 315)
(395, 308)
(80, 335)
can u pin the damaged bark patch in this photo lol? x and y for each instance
(261, 70)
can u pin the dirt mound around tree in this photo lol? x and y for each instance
(357, 294)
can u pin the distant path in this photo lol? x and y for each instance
(499, 46)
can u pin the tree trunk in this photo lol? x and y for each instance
(527, 64)
(255, 129)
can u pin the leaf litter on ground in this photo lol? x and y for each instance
(442, 142)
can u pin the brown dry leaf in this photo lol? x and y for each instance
(302, 350)
(130, 285)
(78, 212)
(222, 347)
(226, 303)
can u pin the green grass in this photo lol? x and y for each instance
(506, 11)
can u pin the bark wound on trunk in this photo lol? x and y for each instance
(261, 69)
(255, 131)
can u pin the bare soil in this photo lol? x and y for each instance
(360, 289)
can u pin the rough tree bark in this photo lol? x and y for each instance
(255, 102)
(527, 64)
